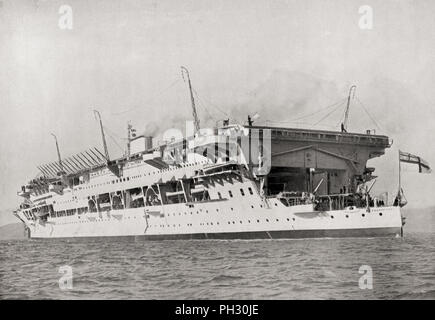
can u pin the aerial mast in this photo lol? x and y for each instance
(62, 171)
(346, 114)
(106, 151)
(195, 115)
(111, 165)
(129, 126)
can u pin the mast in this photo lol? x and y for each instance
(129, 126)
(106, 151)
(346, 114)
(62, 171)
(112, 166)
(400, 172)
(400, 198)
(192, 99)
(399, 192)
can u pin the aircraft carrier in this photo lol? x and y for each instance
(234, 181)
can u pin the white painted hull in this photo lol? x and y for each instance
(216, 220)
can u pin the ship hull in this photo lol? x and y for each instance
(258, 235)
(282, 234)
(207, 223)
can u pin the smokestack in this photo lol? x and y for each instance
(148, 142)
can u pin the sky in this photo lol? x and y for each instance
(282, 59)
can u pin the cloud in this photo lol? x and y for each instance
(285, 96)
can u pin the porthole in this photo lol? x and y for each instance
(332, 217)
(380, 213)
(258, 220)
(294, 219)
(267, 220)
(232, 209)
(347, 216)
(363, 215)
(252, 207)
(277, 220)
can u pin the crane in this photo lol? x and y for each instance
(192, 99)
(62, 171)
(111, 165)
(106, 151)
(346, 114)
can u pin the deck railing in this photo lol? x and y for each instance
(327, 202)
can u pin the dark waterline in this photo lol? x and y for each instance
(129, 268)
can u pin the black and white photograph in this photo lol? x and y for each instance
(185, 150)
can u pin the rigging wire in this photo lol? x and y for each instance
(200, 104)
(267, 122)
(366, 111)
(116, 143)
(114, 133)
(327, 115)
(210, 103)
(109, 133)
(337, 104)
(284, 122)
(322, 109)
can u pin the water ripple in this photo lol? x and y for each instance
(273, 269)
